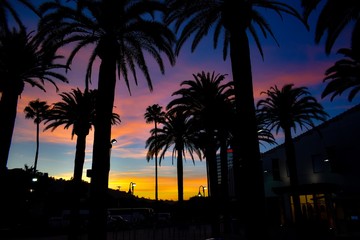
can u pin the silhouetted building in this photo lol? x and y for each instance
(230, 173)
(328, 168)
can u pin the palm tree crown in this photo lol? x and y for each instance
(342, 76)
(223, 16)
(22, 60)
(6, 8)
(289, 107)
(36, 110)
(333, 18)
(154, 114)
(118, 27)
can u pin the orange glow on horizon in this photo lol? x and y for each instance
(167, 187)
(145, 186)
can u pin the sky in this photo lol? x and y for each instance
(297, 60)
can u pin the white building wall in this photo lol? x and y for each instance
(342, 135)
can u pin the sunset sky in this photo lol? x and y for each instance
(298, 60)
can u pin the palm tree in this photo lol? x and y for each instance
(6, 8)
(29, 169)
(333, 18)
(234, 20)
(155, 114)
(176, 133)
(342, 76)
(208, 99)
(287, 109)
(121, 32)
(76, 110)
(36, 110)
(22, 60)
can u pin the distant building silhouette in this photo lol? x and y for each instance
(328, 165)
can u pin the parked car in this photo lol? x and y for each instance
(116, 222)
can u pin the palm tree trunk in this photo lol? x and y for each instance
(294, 182)
(156, 177)
(8, 106)
(101, 153)
(79, 157)
(37, 145)
(75, 224)
(247, 162)
(156, 165)
(180, 176)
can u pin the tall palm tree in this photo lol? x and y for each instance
(121, 33)
(7, 8)
(154, 114)
(333, 18)
(36, 110)
(287, 109)
(342, 76)
(233, 20)
(207, 98)
(22, 61)
(76, 110)
(176, 133)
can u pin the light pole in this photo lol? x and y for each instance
(131, 187)
(203, 191)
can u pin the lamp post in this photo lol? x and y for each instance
(131, 187)
(203, 191)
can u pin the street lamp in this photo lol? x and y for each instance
(131, 187)
(203, 190)
(89, 171)
(111, 144)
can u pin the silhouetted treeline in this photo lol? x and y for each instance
(30, 200)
